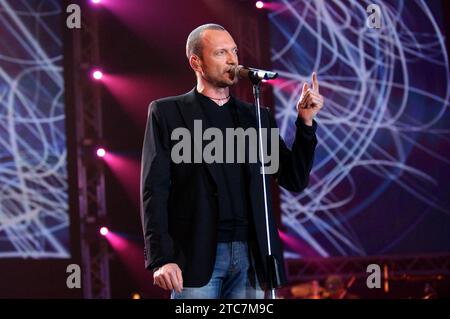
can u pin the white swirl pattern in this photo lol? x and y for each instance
(387, 101)
(34, 218)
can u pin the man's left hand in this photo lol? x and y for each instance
(310, 101)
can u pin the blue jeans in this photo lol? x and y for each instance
(233, 277)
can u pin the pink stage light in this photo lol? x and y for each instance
(101, 152)
(97, 74)
(104, 231)
(131, 91)
(96, 1)
(259, 4)
(126, 170)
(130, 254)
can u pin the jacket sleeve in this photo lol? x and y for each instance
(155, 183)
(295, 164)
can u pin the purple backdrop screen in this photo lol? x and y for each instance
(34, 217)
(381, 180)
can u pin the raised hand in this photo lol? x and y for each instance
(310, 101)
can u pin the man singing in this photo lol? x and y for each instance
(204, 223)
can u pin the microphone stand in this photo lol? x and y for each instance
(273, 265)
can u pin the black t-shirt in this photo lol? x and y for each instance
(232, 192)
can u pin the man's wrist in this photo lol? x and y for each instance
(306, 122)
(305, 128)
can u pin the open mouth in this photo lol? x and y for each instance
(231, 72)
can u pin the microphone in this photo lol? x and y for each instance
(254, 74)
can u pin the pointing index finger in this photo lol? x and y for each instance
(315, 82)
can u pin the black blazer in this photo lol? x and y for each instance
(180, 201)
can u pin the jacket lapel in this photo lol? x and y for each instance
(247, 118)
(191, 110)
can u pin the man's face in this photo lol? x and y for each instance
(219, 57)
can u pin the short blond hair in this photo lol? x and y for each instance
(194, 40)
